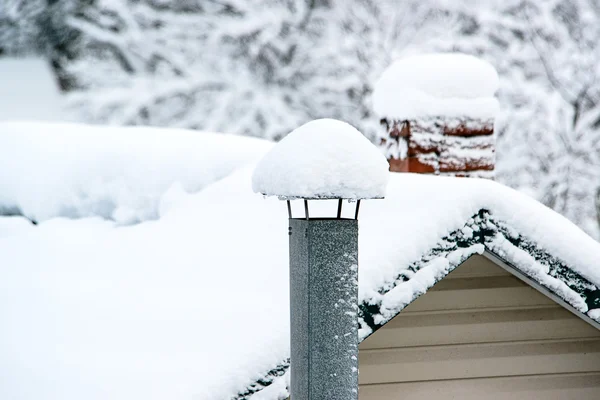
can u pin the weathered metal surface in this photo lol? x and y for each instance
(323, 296)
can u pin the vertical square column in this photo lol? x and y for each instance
(323, 297)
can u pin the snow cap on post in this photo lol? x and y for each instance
(438, 111)
(323, 159)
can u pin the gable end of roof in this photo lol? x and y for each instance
(482, 233)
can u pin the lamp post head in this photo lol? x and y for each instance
(324, 159)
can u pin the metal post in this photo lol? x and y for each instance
(323, 298)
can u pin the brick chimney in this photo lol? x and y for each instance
(438, 114)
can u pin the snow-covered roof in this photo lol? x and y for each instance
(437, 85)
(29, 90)
(194, 304)
(123, 174)
(324, 158)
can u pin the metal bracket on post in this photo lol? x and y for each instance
(306, 209)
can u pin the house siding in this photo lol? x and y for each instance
(482, 333)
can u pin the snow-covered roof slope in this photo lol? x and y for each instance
(124, 174)
(324, 158)
(194, 305)
(437, 85)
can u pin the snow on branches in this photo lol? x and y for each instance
(257, 67)
(548, 58)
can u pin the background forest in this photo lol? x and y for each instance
(263, 67)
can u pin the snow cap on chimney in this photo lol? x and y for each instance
(438, 111)
(323, 159)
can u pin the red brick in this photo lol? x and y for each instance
(432, 144)
(411, 164)
(464, 129)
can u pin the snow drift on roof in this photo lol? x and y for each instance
(123, 174)
(437, 85)
(324, 158)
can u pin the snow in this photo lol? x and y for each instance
(403, 294)
(533, 268)
(194, 305)
(123, 174)
(14, 225)
(278, 390)
(184, 63)
(178, 308)
(439, 205)
(595, 314)
(437, 85)
(28, 90)
(324, 158)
